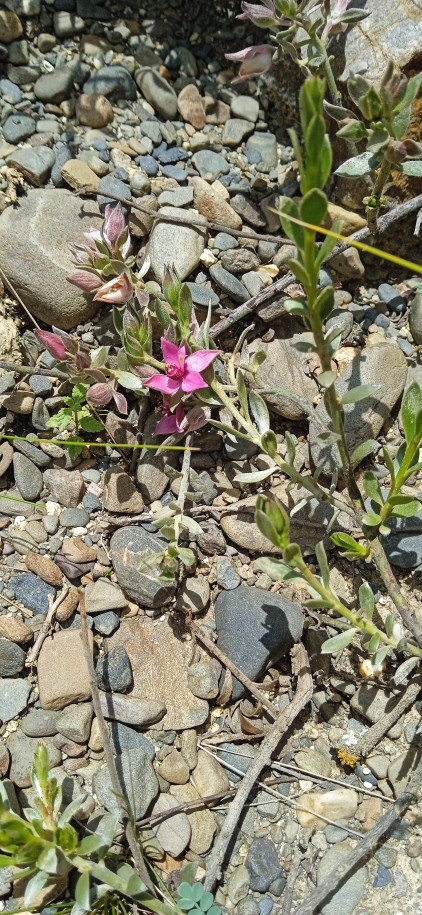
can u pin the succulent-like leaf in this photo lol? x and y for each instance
(338, 642)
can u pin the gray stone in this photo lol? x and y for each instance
(229, 283)
(255, 628)
(35, 164)
(238, 755)
(157, 92)
(176, 197)
(104, 595)
(181, 245)
(203, 296)
(40, 723)
(14, 695)
(263, 864)
(363, 420)
(112, 185)
(74, 517)
(415, 318)
(346, 898)
(22, 749)
(140, 713)
(23, 76)
(41, 227)
(18, 127)
(173, 833)
(67, 24)
(150, 472)
(224, 242)
(128, 546)
(235, 131)
(41, 385)
(140, 184)
(195, 594)
(28, 478)
(106, 623)
(401, 767)
(239, 260)
(227, 576)
(114, 82)
(392, 34)
(210, 163)
(123, 737)
(32, 592)
(343, 320)
(283, 373)
(11, 94)
(266, 145)
(12, 658)
(373, 702)
(245, 106)
(253, 282)
(54, 87)
(66, 486)
(75, 722)
(249, 211)
(203, 680)
(138, 779)
(114, 672)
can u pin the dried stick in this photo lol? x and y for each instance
(31, 370)
(380, 728)
(291, 880)
(300, 665)
(217, 653)
(46, 627)
(121, 799)
(364, 848)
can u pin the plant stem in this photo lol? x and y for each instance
(380, 182)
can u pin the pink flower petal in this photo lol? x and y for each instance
(163, 383)
(114, 224)
(120, 401)
(52, 343)
(201, 359)
(171, 352)
(118, 290)
(84, 280)
(166, 425)
(192, 382)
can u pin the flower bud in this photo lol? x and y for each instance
(118, 290)
(88, 282)
(53, 344)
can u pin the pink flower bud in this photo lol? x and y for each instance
(99, 394)
(118, 290)
(88, 282)
(254, 61)
(53, 344)
(114, 225)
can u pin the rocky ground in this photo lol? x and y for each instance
(137, 101)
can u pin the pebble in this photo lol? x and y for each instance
(203, 295)
(262, 864)
(238, 884)
(224, 242)
(74, 517)
(94, 110)
(22, 749)
(203, 681)
(180, 244)
(195, 594)
(104, 595)
(40, 723)
(14, 695)
(157, 91)
(212, 205)
(65, 486)
(174, 768)
(114, 672)
(111, 185)
(341, 803)
(13, 629)
(34, 164)
(191, 106)
(350, 891)
(176, 197)
(10, 26)
(18, 127)
(132, 711)
(138, 778)
(235, 131)
(210, 163)
(114, 82)
(32, 592)
(229, 283)
(266, 145)
(54, 87)
(12, 658)
(120, 493)
(394, 301)
(63, 676)
(127, 547)
(415, 318)
(106, 623)
(245, 106)
(208, 776)
(227, 576)
(75, 722)
(174, 833)
(249, 212)
(125, 738)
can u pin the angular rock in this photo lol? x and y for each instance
(174, 833)
(141, 713)
(139, 782)
(114, 672)
(34, 164)
(284, 371)
(75, 722)
(14, 695)
(63, 676)
(128, 547)
(22, 749)
(32, 592)
(213, 205)
(41, 227)
(160, 664)
(181, 245)
(102, 596)
(393, 34)
(350, 890)
(235, 131)
(365, 419)
(79, 175)
(269, 623)
(263, 864)
(66, 486)
(125, 738)
(120, 493)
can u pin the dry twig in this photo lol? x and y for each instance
(301, 669)
(46, 627)
(378, 730)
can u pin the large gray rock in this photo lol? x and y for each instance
(346, 898)
(284, 371)
(40, 228)
(255, 628)
(128, 547)
(175, 244)
(384, 365)
(391, 32)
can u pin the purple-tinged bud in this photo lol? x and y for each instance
(99, 395)
(53, 344)
(254, 61)
(114, 225)
(396, 151)
(264, 17)
(88, 282)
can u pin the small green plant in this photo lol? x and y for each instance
(192, 896)
(77, 417)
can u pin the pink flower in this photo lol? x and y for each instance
(254, 60)
(53, 344)
(118, 290)
(182, 371)
(265, 17)
(99, 395)
(114, 230)
(89, 282)
(170, 422)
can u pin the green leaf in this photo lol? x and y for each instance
(162, 314)
(82, 891)
(34, 886)
(380, 655)
(328, 244)
(361, 451)
(48, 860)
(326, 379)
(303, 347)
(313, 206)
(361, 392)
(292, 554)
(273, 521)
(255, 476)
(338, 642)
(185, 890)
(69, 812)
(206, 902)
(404, 670)
(295, 306)
(357, 166)
(90, 424)
(90, 844)
(324, 303)
(276, 568)
(410, 411)
(315, 604)
(301, 275)
(389, 623)
(389, 463)
(242, 393)
(411, 92)
(291, 449)
(130, 381)
(367, 599)
(269, 443)
(208, 396)
(188, 872)
(186, 904)
(186, 556)
(406, 510)
(373, 643)
(259, 411)
(372, 487)
(328, 438)
(214, 910)
(323, 563)
(348, 542)
(371, 519)
(295, 232)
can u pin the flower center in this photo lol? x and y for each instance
(174, 370)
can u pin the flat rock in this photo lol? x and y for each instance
(159, 664)
(392, 34)
(63, 676)
(138, 779)
(255, 628)
(202, 822)
(245, 106)
(174, 833)
(22, 749)
(208, 776)
(65, 486)
(114, 82)
(284, 370)
(191, 106)
(12, 658)
(140, 713)
(235, 131)
(340, 804)
(181, 245)
(350, 890)
(41, 227)
(128, 546)
(120, 493)
(263, 864)
(104, 595)
(212, 205)
(211, 163)
(14, 695)
(40, 723)
(28, 478)
(34, 164)
(373, 702)
(54, 87)
(32, 592)
(365, 419)
(229, 283)
(79, 176)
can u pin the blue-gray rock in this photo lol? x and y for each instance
(176, 197)
(128, 547)
(238, 755)
(12, 658)
(54, 87)
(111, 185)
(382, 876)
(114, 82)
(123, 737)
(14, 695)
(74, 517)
(266, 145)
(152, 130)
(346, 898)
(40, 723)
(235, 131)
(248, 211)
(223, 241)
(35, 164)
(229, 283)
(404, 545)
(32, 592)
(255, 628)
(63, 154)
(148, 164)
(245, 106)
(10, 93)
(74, 722)
(114, 671)
(172, 155)
(40, 415)
(210, 163)
(66, 24)
(415, 318)
(179, 244)
(41, 385)
(178, 173)
(227, 576)
(106, 623)
(18, 127)
(202, 295)
(91, 502)
(263, 864)
(157, 92)
(138, 779)
(23, 76)
(394, 301)
(28, 477)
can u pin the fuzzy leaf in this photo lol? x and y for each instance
(313, 206)
(259, 411)
(407, 509)
(35, 885)
(130, 381)
(294, 231)
(326, 379)
(372, 488)
(361, 451)
(255, 476)
(371, 519)
(411, 411)
(357, 166)
(361, 392)
(404, 670)
(323, 563)
(338, 642)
